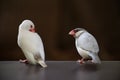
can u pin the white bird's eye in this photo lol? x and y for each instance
(31, 26)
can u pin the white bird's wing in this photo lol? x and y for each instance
(31, 42)
(87, 42)
(39, 45)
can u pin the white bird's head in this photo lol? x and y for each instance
(77, 32)
(27, 25)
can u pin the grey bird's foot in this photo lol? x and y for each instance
(81, 61)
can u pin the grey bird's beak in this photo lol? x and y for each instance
(72, 33)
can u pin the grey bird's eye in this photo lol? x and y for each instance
(76, 30)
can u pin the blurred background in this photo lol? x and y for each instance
(54, 19)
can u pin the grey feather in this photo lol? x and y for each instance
(87, 45)
(87, 42)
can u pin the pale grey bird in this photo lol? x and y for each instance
(31, 44)
(86, 45)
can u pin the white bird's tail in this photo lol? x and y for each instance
(42, 63)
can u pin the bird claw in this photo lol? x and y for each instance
(91, 61)
(81, 61)
(23, 61)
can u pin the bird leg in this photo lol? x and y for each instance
(81, 61)
(91, 61)
(23, 61)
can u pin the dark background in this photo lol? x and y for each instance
(54, 19)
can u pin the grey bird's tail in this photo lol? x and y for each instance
(95, 58)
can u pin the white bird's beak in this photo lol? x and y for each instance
(32, 30)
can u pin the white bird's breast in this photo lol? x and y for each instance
(31, 44)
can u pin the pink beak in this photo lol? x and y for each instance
(72, 33)
(32, 30)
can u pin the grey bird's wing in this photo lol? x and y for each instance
(87, 42)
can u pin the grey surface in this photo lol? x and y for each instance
(60, 70)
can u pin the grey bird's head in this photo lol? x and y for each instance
(77, 32)
(27, 25)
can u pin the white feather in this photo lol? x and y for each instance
(31, 44)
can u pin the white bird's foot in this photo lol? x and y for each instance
(23, 61)
(81, 61)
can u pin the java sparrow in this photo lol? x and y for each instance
(86, 45)
(31, 44)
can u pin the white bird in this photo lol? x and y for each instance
(31, 44)
(86, 45)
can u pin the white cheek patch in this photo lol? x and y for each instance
(78, 33)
